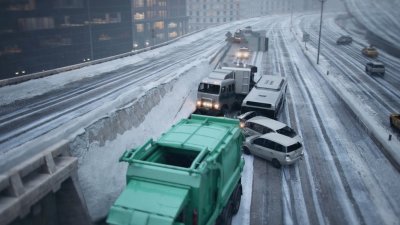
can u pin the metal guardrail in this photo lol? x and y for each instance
(16, 80)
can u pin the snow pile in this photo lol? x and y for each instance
(101, 177)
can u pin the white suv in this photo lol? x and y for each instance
(261, 125)
(279, 149)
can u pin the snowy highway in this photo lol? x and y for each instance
(340, 179)
(344, 178)
(27, 116)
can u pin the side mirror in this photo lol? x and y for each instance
(254, 69)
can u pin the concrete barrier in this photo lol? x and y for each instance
(25, 185)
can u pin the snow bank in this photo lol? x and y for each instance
(101, 177)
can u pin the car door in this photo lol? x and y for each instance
(258, 147)
(268, 150)
(279, 152)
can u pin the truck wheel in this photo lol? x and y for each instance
(246, 150)
(276, 163)
(224, 110)
(237, 197)
(226, 215)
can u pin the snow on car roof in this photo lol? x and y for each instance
(377, 63)
(267, 122)
(279, 138)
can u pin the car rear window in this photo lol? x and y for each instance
(287, 131)
(378, 66)
(293, 147)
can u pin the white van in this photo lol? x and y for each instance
(267, 96)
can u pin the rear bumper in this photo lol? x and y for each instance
(293, 160)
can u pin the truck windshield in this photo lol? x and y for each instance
(209, 88)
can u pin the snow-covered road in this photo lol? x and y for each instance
(344, 177)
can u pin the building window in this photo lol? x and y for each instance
(162, 13)
(173, 34)
(139, 27)
(159, 25)
(138, 16)
(151, 3)
(104, 37)
(160, 36)
(138, 3)
(38, 23)
(172, 25)
(22, 5)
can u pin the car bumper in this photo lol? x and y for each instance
(291, 161)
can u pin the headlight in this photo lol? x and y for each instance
(287, 158)
(246, 54)
(198, 103)
(216, 106)
(241, 124)
(238, 55)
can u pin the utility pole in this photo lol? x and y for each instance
(90, 30)
(320, 29)
(291, 15)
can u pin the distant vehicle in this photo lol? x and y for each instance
(261, 125)
(243, 53)
(267, 96)
(224, 89)
(238, 37)
(190, 175)
(278, 148)
(372, 68)
(247, 29)
(370, 52)
(344, 40)
(395, 121)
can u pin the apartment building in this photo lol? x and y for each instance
(157, 21)
(206, 13)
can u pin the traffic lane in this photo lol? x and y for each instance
(340, 132)
(266, 203)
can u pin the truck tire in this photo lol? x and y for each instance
(276, 163)
(224, 110)
(246, 150)
(237, 197)
(226, 215)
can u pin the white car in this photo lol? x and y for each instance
(277, 148)
(246, 116)
(259, 125)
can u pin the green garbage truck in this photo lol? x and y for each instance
(191, 175)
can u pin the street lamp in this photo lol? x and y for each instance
(320, 28)
(135, 45)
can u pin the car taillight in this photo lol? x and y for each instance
(195, 217)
